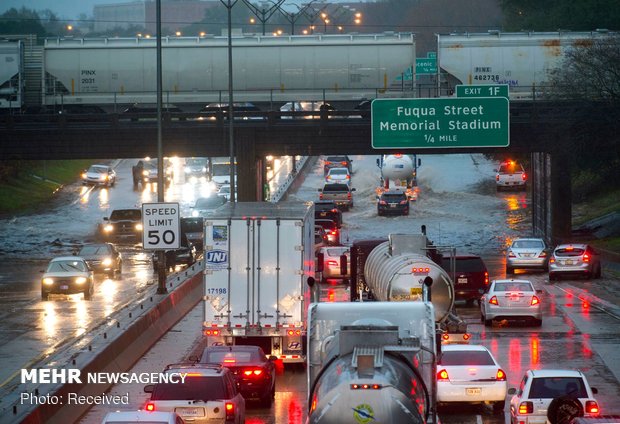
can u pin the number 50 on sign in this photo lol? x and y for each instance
(161, 225)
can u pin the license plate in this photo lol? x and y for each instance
(461, 281)
(64, 287)
(190, 412)
(238, 331)
(475, 391)
(392, 206)
(528, 255)
(514, 298)
(569, 262)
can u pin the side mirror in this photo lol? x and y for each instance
(512, 391)
(353, 189)
(539, 291)
(149, 388)
(320, 190)
(105, 218)
(311, 281)
(272, 358)
(594, 390)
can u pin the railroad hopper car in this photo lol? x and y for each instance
(520, 60)
(11, 74)
(195, 69)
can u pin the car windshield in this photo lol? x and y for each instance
(552, 387)
(512, 286)
(569, 251)
(528, 244)
(129, 214)
(98, 169)
(208, 202)
(66, 266)
(192, 225)
(228, 358)
(195, 388)
(466, 357)
(97, 249)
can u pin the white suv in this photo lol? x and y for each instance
(552, 394)
(208, 395)
(510, 174)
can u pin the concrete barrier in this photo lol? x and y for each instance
(119, 354)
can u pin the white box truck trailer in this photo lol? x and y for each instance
(258, 258)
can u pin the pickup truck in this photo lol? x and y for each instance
(340, 194)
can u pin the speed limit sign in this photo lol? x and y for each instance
(161, 226)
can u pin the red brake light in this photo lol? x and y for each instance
(591, 407)
(570, 248)
(251, 372)
(229, 361)
(486, 278)
(523, 176)
(552, 260)
(493, 300)
(230, 411)
(321, 196)
(290, 332)
(526, 408)
(332, 263)
(343, 163)
(334, 232)
(349, 195)
(443, 376)
(446, 336)
(150, 406)
(542, 255)
(535, 301)
(501, 375)
(398, 155)
(327, 162)
(586, 257)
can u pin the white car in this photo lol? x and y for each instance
(67, 275)
(510, 174)
(534, 400)
(208, 395)
(527, 253)
(224, 192)
(338, 175)
(330, 266)
(99, 175)
(470, 373)
(511, 299)
(148, 417)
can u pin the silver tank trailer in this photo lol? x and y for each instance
(395, 271)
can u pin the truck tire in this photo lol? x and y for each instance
(44, 295)
(498, 407)
(563, 409)
(510, 270)
(537, 322)
(488, 322)
(88, 294)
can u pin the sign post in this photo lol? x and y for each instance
(161, 225)
(440, 123)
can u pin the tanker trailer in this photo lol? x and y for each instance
(371, 362)
(396, 271)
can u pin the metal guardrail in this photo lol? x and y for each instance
(281, 191)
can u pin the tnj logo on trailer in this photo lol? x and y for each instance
(217, 259)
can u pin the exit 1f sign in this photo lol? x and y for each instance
(498, 90)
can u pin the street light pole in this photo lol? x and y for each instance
(231, 141)
(161, 254)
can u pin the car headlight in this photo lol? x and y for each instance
(48, 281)
(139, 227)
(188, 170)
(102, 177)
(194, 213)
(145, 173)
(107, 262)
(80, 280)
(204, 169)
(84, 176)
(108, 228)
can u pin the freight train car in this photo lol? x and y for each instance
(521, 60)
(195, 69)
(11, 74)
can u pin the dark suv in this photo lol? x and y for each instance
(393, 202)
(341, 161)
(327, 209)
(122, 224)
(471, 277)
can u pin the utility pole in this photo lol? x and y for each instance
(161, 254)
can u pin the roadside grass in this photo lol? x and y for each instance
(37, 182)
(596, 206)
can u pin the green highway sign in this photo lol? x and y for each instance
(497, 90)
(436, 123)
(425, 66)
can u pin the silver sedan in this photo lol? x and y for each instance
(527, 253)
(511, 299)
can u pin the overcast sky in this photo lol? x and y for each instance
(69, 9)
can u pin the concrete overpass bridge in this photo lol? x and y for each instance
(542, 129)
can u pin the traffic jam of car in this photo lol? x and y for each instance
(229, 381)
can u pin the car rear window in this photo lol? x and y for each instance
(394, 197)
(330, 225)
(528, 244)
(552, 387)
(339, 171)
(336, 252)
(506, 287)
(192, 225)
(335, 187)
(194, 388)
(569, 252)
(465, 264)
(337, 159)
(466, 357)
(228, 358)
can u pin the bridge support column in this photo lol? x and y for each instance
(249, 185)
(551, 197)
